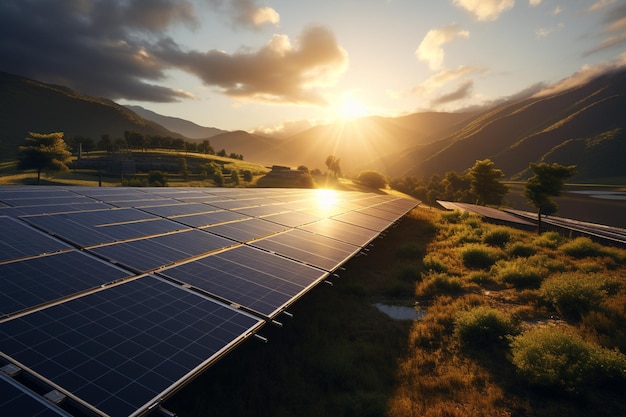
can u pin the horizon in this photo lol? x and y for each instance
(275, 66)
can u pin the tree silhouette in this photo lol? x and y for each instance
(44, 151)
(547, 182)
(332, 163)
(485, 183)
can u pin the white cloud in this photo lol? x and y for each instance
(534, 3)
(430, 49)
(265, 15)
(544, 32)
(557, 10)
(600, 4)
(485, 10)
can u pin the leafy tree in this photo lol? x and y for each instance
(247, 175)
(44, 152)
(372, 179)
(547, 182)
(303, 168)
(218, 178)
(332, 163)
(485, 183)
(184, 168)
(222, 153)
(206, 148)
(234, 177)
(157, 179)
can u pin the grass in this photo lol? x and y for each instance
(467, 356)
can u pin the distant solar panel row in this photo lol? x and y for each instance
(115, 297)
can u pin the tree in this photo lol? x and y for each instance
(547, 182)
(372, 179)
(332, 163)
(485, 183)
(44, 152)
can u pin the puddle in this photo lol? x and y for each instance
(400, 312)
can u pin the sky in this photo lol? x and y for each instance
(278, 66)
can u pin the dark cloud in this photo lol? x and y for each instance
(99, 47)
(614, 33)
(460, 93)
(118, 49)
(278, 72)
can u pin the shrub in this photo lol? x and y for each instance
(372, 179)
(520, 274)
(498, 236)
(550, 357)
(549, 240)
(435, 283)
(478, 256)
(483, 327)
(455, 216)
(433, 264)
(574, 294)
(480, 277)
(157, 179)
(582, 247)
(522, 250)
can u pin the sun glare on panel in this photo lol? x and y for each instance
(326, 199)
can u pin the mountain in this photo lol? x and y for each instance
(584, 125)
(186, 128)
(32, 106)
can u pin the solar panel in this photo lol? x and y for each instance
(125, 347)
(28, 283)
(79, 315)
(148, 254)
(246, 230)
(317, 250)
(257, 280)
(344, 232)
(20, 240)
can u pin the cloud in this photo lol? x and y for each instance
(534, 3)
(614, 31)
(463, 91)
(583, 76)
(119, 49)
(246, 13)
(430, 49)
(544, 32)
(278, 72)
(600, 4)
(485, 10)
(97, 47)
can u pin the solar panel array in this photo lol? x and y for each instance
(112, 298)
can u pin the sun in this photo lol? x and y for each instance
(350, 108)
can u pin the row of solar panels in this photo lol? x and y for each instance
(112, 298)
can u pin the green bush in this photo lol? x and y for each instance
(574, 294)
(372, 179)
(519, 274)
(479, 256)
(582, 247)
(483, 327)
(549, 240)
(437, 283)
(498, 236)
(433, 264)
(157, 179)
(455, 216)
(551, 357)
(522, 250)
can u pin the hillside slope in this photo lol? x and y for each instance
(175, 124)
(536, 129)
(31, 106)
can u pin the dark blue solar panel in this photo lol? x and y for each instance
(122, 348)
(17, 401)
(105, 226)
(317, 250)
(19, 240)
(179, 209)
(149, 254)
(208, 219)
(244, 231)
(361, 219)
(345, 232)
(31, 282)
(51, 209)
(249, 277)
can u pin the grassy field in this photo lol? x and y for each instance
(487, 291)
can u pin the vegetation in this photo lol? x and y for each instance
(497, 340)
(46, 152)
(547, 182)
(333, 165)
(485, 183)
(372, 179)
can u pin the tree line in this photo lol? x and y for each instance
(139, 141)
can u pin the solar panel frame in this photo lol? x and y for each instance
(20, 401)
